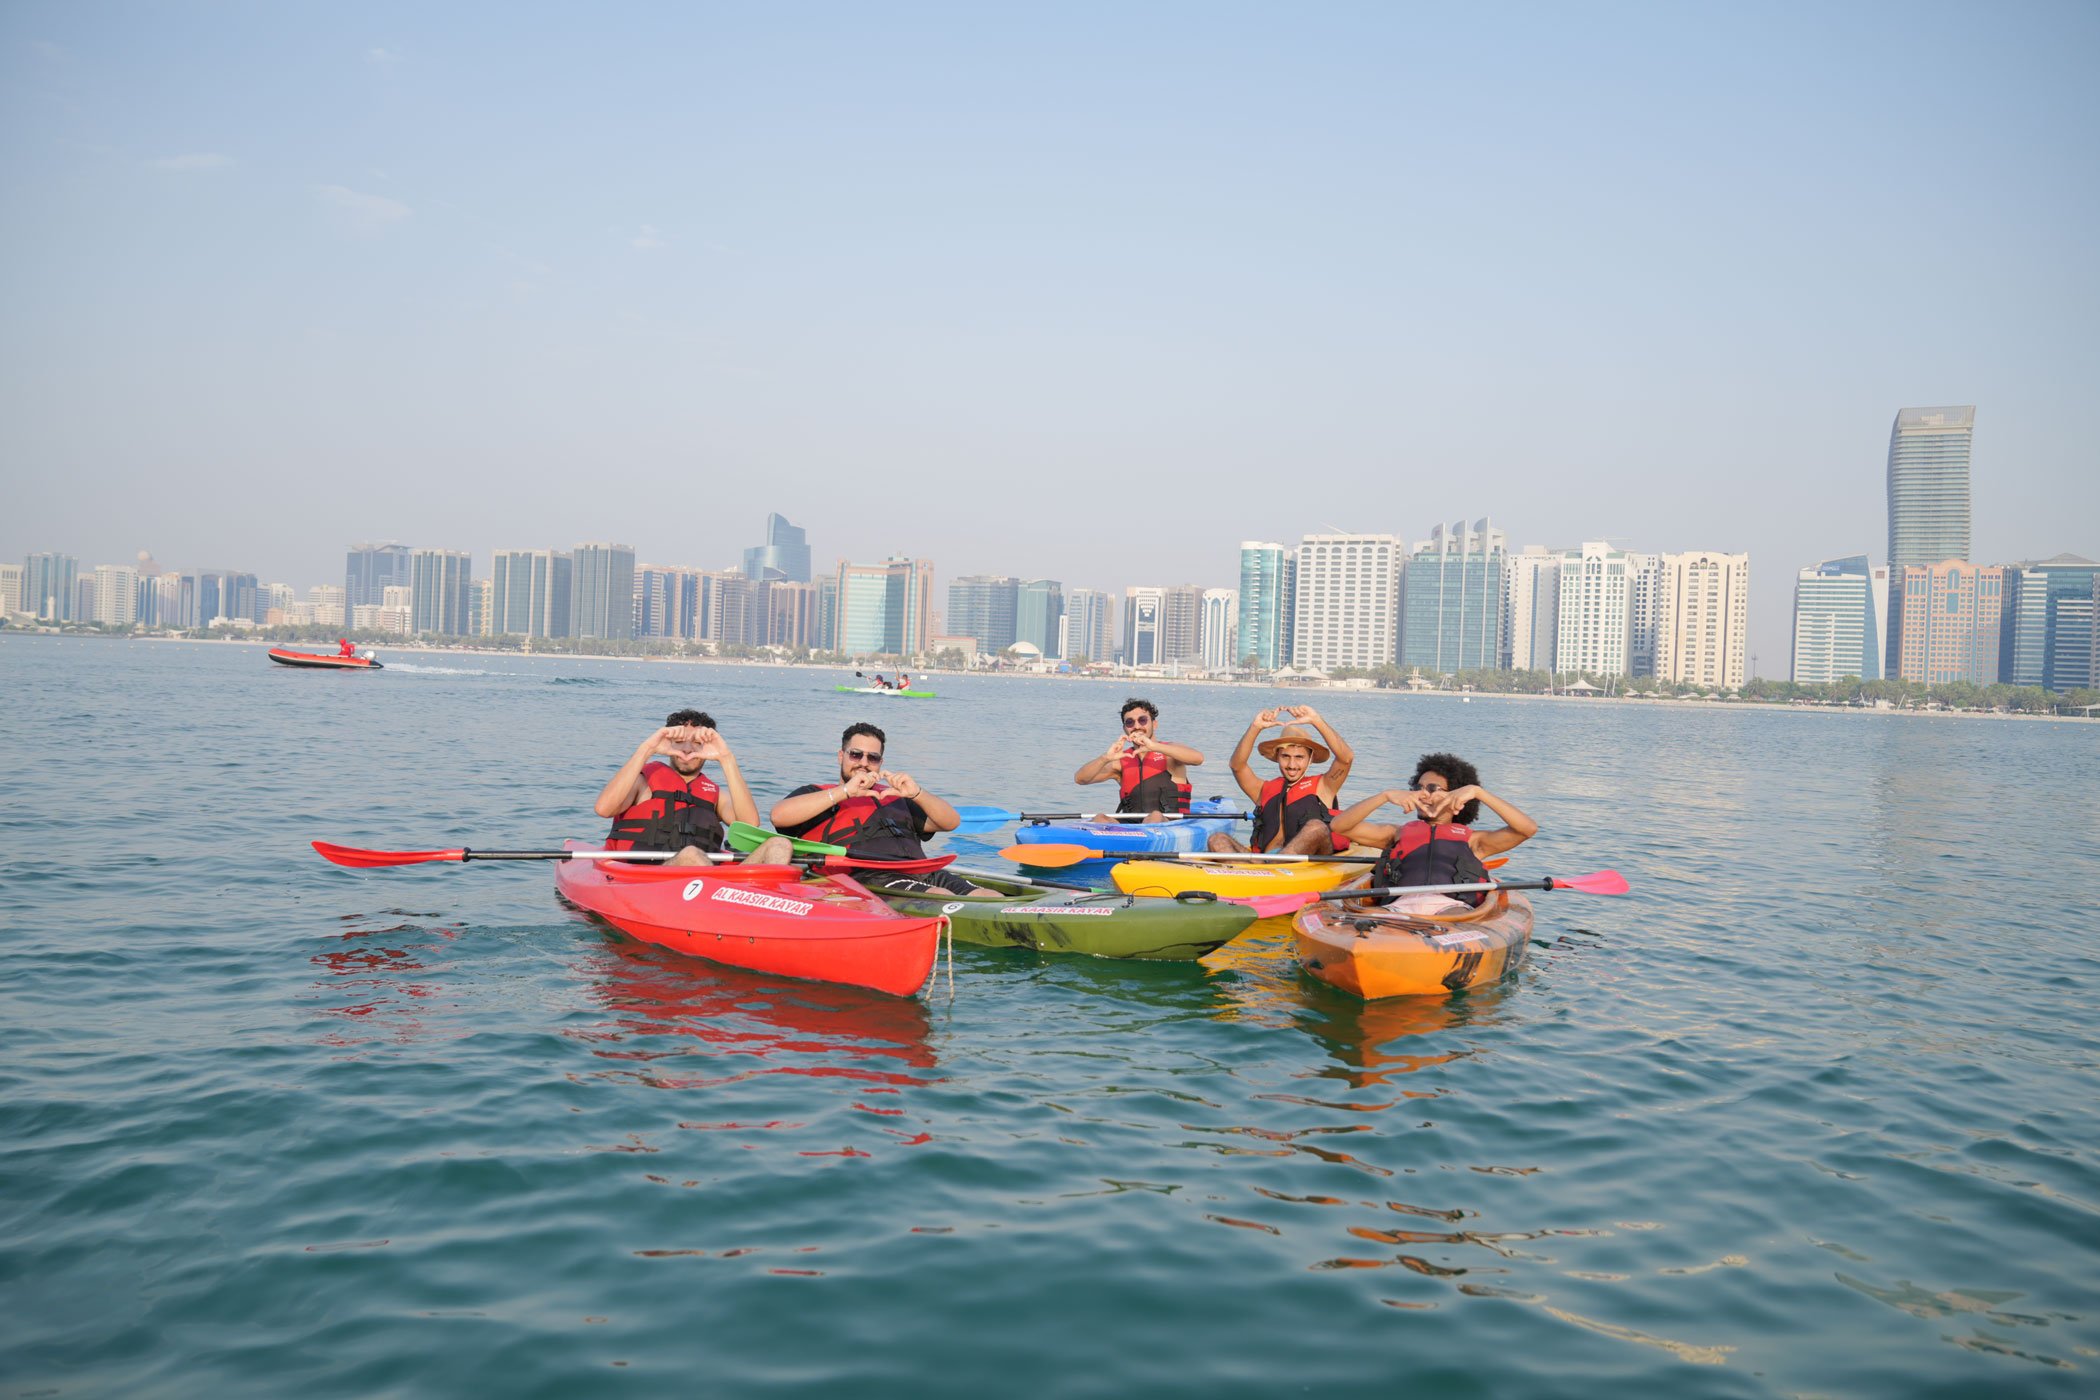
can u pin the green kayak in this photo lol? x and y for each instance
(884, 690)
(1051, 920)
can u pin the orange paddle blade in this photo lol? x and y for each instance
(1050, 857)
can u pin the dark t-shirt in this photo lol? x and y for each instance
(893, 833)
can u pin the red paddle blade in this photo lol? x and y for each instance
(847, 865)
(1599, 882)
(358, 858)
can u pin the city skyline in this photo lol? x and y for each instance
(1171, 281)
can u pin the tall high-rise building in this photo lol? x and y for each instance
(667, 602)
(440, 588)
(1454, 599)
(791, 614)
(1265, 604)
(49, 585)
(1181, 625)
(1142, 605)
(116, 595)
(12, 579)
(1089, 633)
(784, 555)
(602, 599)
(724, 608)
(1221, 629)
(1039, 616)
(1929, 485)
(1346, 608)
(481, 607)
(1840, 606)
(1644, 580)
(1702, 624)
(1594, 620)
(2039, 642)
(826, 637)
(1950, 614)
(984, 606)
(885, 608)
(530, 591)
(1530, 608)
(370, 569)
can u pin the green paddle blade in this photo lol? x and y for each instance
(745, 837)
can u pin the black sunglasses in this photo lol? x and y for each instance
(858, 754)
(1136, 720)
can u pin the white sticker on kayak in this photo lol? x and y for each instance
(731, 894)
(693, 888)
(951, 908)
(1060, 910)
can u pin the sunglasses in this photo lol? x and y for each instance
(1137, 721)
(857, 755)
(1431, 787)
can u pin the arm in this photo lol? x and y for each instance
(939, 815)
(803, 809)
(625, 788)
(1344, 757)
(1100, 770)
(736, 794)
(1242, 772)
(1353, 825)
(1517, 830)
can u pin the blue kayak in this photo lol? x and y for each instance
(1128, 839)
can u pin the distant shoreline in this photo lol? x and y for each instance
(1738, 706)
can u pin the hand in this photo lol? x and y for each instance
(711, 743)
(901, 784)
(861, 783)
(1141, 742)
(1115, 750)
(661, 743)
(1442, 806)
(1303, 712)
(1406, 799)
(1269, 719)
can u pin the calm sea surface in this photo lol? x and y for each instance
(1811, 1112)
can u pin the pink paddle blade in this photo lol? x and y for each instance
(358, 858)
(1600, 882)
(1271, 906)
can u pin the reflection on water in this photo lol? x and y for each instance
(687, 1024)
(379, 979)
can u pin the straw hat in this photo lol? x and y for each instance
(1294, 734)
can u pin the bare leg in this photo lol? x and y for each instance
(690, 855)
(774, 850)
(1224, 841)
(1313, 839)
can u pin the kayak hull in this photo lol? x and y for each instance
(1098, 925)
(1125, 840)
(1372, 953)
(1229, 880)
(765, 918)
(879, 690)
(315, 661)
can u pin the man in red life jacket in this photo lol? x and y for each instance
(1440, 847)
(347, 649)
(674, 806)
(1152, 775)
(1292, 811)
(874, 813)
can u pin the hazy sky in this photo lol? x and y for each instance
(1083, 291)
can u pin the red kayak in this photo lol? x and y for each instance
(768, 918)
(285, 656)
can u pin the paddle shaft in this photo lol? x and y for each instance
(1383, 891)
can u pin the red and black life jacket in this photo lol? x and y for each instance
(1148, 786)
(1280, 812)
(1423, 854)
(878, 825)
(676, 814)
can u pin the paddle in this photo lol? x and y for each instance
(986, 817)
(746, 838)
(830, 862)
(1055, 857)
(1268, 906)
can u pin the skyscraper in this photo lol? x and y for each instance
(1950, 612)
(370, 569)
(530, 592)
(885, 608)
(1181, 625)
(1039, 616)
(2040, 643)
(1089, 632)
(1929, 485)
(1454, 599)
(1346, 604)
(603, 593)
(1840, 606)
(1265, 604)
(1221, 629)
(439, 585)
(984, 607)
(1530, 608)
(1644, 580)
(1142, 605)
(784, 555)
(1702, 621)
(12, 579)
(49, 584)
(1594, 621)
(116, 595)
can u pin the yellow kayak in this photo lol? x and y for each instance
(1230, 879)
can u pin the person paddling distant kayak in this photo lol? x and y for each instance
(1440, 847)
(874, 813)
(1292, 811)
(1152, 775)
(674, 806)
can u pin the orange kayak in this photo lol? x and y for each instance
(768, 918)
(1379, 952)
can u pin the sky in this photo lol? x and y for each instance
(1087, 291)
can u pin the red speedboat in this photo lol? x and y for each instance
(768, 918)
(322, 661)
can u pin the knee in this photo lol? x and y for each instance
(689, 855)
(1221, 841)
(774, 850)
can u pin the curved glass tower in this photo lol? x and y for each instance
(1929, 485)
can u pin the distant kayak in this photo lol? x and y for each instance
(884, 690)
(323, 661)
